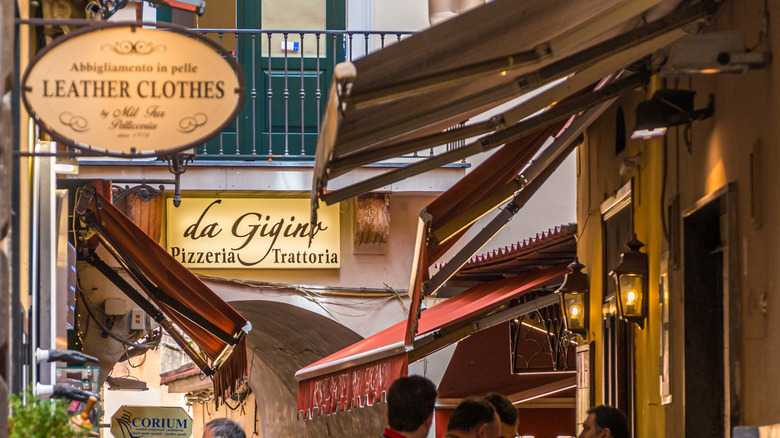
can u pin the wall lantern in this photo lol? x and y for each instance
(668, 108)
(631, 283)
(574, 299)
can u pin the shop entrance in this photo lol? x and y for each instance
(705, 252)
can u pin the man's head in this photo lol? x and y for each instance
(223, 428)
(605, 422)
(507, 413)
(474, 417)
(410, 403)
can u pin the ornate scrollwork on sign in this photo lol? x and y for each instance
(128, 47)
(144, 192)
(190, 123)
(76, 123)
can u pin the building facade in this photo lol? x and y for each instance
(700, 200)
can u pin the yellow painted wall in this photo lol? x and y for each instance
(243, 414)
(746, 121)
(647, 225)
(598, 179)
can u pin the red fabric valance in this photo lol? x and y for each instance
(356, 386)
(325, 385)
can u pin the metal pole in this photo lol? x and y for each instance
(254, 97)
(238, 119)
(270, 94)
(303, 102)
(286, 103)
(318, 94)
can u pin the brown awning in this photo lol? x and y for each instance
(214, 326)
(403, 98)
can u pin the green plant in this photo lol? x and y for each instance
(41, 419)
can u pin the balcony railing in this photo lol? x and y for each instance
(288, 75)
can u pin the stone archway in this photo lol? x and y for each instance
(285, 338)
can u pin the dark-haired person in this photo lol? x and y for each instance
(223, 428)
(474, 417)
(410, 402)
(507, 413)
(605, 422)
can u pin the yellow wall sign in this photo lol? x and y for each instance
(252, 233)
(151, 421)
(127, 90)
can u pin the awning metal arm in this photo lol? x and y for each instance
(430, 343)
(555, 92)
(132, 268)
(555, 114)
(150, 309)
(526, 82)
(536, 175)
(560, 147)
(339, 166)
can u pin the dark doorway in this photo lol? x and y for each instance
(704, 247)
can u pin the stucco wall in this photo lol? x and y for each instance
(400, 15)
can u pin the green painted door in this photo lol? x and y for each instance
(287, 75)
(287, 79)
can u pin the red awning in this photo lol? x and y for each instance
(361, 373)
(213, 325)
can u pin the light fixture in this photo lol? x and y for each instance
(713, 53)
(66, 166)
(125, 384)
(575, 304)
(177, 164)
(668, 108)
(631, 283)
(196, 6)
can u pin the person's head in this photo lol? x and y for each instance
(507, 413)
(410, 402)
(605, 422)
(223, 428)
(474, 417)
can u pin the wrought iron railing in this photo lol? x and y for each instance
(288, 74)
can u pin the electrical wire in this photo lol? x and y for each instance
(337, 291)
(764, 28)
(143, 360)
(102, 326)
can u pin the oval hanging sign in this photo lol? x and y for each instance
(129, 91)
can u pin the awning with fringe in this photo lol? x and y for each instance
(361, 373)
(176, 295)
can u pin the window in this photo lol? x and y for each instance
(620, 131)
(618, 335)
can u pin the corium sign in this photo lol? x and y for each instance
(252, 233)
(151, 421)
(126, 90)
